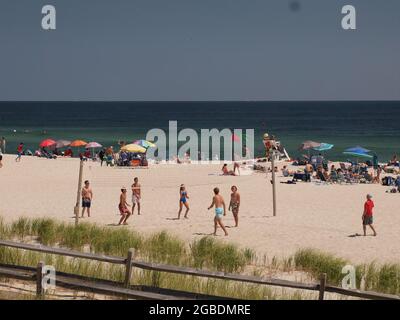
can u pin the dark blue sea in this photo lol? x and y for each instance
(373, 125)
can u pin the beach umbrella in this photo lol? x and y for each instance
(62, 143)
(93, 145)
(133, 148)
(324, 146)
(357, 149)
(47, 143)
(307, 145)
(358, 154)
(78, 143)
(145, 144)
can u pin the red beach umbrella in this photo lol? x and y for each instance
(47, 143)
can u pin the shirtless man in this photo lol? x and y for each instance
(235, 204)
(220, 210)
(123, 207)
(136, 195)
(87, 196)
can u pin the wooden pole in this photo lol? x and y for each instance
(78, 194)
(273, 183)
(322, 285)
(128, 267)
(39, 279)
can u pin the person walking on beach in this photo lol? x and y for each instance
(3, 145)
(87, 197)
(20, 149)
(123, 207)
(101, 156)
(367, 218)
(235, 204)
(220, 210)
(183, 201)
(1, 159)
(136, 194)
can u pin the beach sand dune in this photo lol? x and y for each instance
(309, 215)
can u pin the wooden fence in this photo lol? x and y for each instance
(124, 289)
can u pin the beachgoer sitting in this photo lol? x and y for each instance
(227, 172)
(286, 172)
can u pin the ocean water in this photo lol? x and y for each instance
(373, 125)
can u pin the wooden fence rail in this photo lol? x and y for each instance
(131, 262)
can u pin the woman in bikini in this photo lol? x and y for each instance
(183, 201)
(235, 204)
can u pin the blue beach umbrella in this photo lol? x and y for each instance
(359, 154)
(357, 149)
(324, 147)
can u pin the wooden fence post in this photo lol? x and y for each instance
(78, 195)
(128, 267)
(322, 285)
(39, 279)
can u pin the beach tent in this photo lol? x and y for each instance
(47, 143)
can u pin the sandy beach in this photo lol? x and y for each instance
(309, 215)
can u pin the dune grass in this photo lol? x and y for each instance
(163, 247)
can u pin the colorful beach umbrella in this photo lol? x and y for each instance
(357, 149)
(145, 144)
(62, 143)
(93, 145)
(78, 143)
(134, 148)
(324, 147)
(47, 143)
(358, 154)
(309, 144)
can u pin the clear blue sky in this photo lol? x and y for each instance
(199, 50)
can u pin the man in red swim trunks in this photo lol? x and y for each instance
(123, 207)
(367, 218)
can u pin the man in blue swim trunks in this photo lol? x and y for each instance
(220, 210)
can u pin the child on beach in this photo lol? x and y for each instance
(235, 204)
(87, 196)
(367, 218)
(20, 149)
(123, 207)
(227, 172)
(220, 210)
(183, 197)
(136, 194)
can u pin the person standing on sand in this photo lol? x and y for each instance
(20, 149)
(220, 210)
(235, 204)
(1, 159)
(367, 218)
(183, 197)
(3, 145)
(123, 207)
(136, 194)
(87, 197)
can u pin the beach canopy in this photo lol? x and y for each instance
(145, 144)
(324, 146)
(47, 143)
(357, 149)
(93, 145)
(307, 145)
(78, 143)
(133, 148)
(62, 143)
